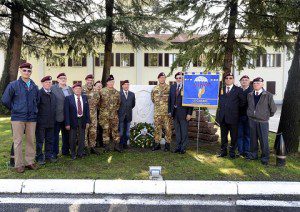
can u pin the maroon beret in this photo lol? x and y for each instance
(97, 82)
(78, 84)
(125, 81)
(161, 74)
(110, 78)
(26, 65)
(178, 73)
(228, 75)
(90, 76)
(244, 77)
(258, 79)
(46, 78)
(61, 75)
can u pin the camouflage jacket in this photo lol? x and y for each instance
(109, 102)
(159, 96)
(93, 96)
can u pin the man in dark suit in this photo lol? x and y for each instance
(125, 113)
(181, 115)
(61, 90)
(45, 122)
(231, 99)
(77, 118)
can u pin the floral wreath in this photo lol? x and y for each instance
(141, 135)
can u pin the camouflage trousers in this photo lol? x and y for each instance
(110, 127)
(160, 123)
(91, 131)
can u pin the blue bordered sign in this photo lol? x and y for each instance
(201, 90)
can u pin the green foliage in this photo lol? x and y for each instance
(141, 135)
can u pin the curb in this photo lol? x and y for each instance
(164, 187)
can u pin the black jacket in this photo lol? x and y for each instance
(46, 109)
(126, 106)
(230, 105)
(180, 110)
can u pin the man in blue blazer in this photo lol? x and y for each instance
(181, 115)
(77, 118)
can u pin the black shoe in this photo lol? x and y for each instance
(167, 147)
(232, 156)
(182, 151)
(73, 157)
(265, 163)
(94, 151)
(86, 151)
(106, 148)
(51, 160)
(177, 150)
(222, 154)
(117, 148)
(41, 162)
(125, 146)
(156, 147)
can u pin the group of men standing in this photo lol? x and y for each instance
(244, 112)
(81, 112)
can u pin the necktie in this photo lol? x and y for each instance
(79, 109)
(228, 89)
(256, 93)
(126, 94)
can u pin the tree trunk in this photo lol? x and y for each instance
(289, 123)
(109, 4)
(229, 45)
(14, 44)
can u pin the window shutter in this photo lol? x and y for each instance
(131, 59)
(258, 61)
(264, 60)
(112, 59)
(146, 59)
(160, 59)
(70, 62)
(278, 60)
(166, 59)
(83, 61)
(97, 61)
(118, 63)
(271, 87)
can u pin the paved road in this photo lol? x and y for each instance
(274, 121)
(145, 203)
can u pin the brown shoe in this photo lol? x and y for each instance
(20, 169)
(32, 166)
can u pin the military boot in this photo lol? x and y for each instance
(167, 147)
(117, 148)
(156, 146)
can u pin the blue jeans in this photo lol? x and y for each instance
(244, 136)
(60, 126)
(124, 131)
(44, 137)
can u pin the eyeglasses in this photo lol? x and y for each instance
(229, 78)
(62, 78)
(178, 77)
(27, 70)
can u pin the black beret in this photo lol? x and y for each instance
(110, 78)
(125, 81)
(244, 77)
(26, 65)
(228, 75)
(178, 73)
(78, 84)
(161, 74)
(61, 75)
(46, 78)
(258, 79)
(90, 76)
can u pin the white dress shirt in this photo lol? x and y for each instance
(258, 92)
(228, 86)
(76, 99)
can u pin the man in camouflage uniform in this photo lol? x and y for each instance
(159, 96)
(93, 99)
(108, 118)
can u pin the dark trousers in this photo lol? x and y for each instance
(60, 127)
(77, 136)
(259, 131)
(99, 136)
(244, 136)
(181, 132)
(233, 130)
(124, 130)
(44, 136)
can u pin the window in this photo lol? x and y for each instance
(152, 82)
(170, 59)
(271, 87)
(153, 59)
(99, 60)
(77, 61)
(125, 59)
(172, 82)
(57, 59)
(268, 60)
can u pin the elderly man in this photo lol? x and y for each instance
(21, 97)
(261, 107)
(77, 119)
(45, 122)
(61, 91)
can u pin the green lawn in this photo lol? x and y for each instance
(134, 163)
